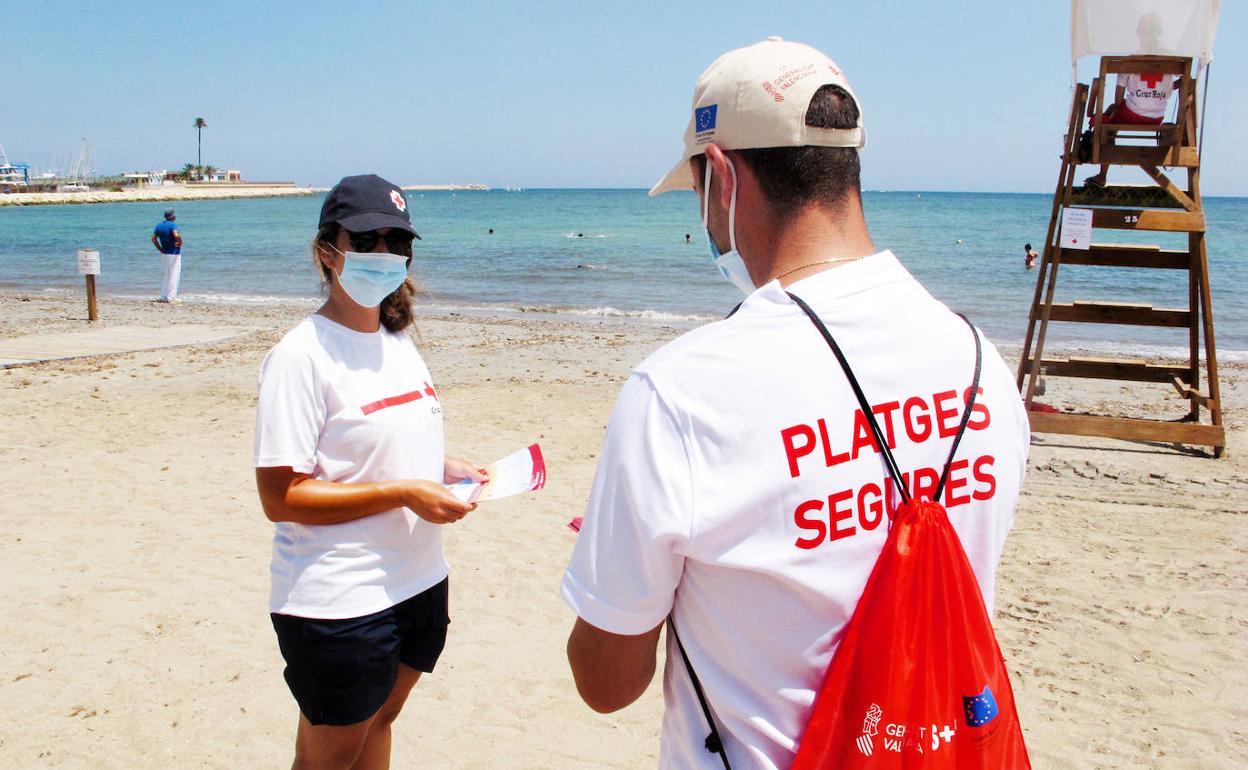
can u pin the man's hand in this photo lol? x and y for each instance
(611, 670)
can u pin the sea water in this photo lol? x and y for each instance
(620, 253)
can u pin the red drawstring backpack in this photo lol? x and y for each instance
(918, 680)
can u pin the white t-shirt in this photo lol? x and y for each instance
(1147, 95)
(738, 489)
(350, 406)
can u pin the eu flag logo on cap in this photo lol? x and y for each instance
(980, 709)
(704, 117)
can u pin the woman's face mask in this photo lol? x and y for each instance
(730, 264)
(369, 278)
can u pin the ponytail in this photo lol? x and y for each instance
(397, 313)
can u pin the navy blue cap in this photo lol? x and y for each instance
(366, 202)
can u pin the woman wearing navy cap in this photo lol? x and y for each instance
(350, 466)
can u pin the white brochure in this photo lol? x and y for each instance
(518, 472)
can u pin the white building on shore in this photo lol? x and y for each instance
(147, 178)
(224, 175)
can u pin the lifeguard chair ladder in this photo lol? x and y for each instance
(1164, 206)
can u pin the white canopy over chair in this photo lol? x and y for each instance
(1143, 27)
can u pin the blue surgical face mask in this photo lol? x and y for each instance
(370, 278)
(730, 264)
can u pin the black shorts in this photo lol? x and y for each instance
(342, 671)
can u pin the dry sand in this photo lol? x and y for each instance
(135, 563)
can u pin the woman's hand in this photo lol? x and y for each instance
(297, 497)
(434, 503)
(455, 469)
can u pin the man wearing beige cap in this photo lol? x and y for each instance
(741, 489)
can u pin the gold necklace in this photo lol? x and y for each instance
(834, 260)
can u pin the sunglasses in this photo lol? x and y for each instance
(397, 241)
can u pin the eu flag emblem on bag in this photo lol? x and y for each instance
(980, 709)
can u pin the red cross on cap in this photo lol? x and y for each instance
(396, 197)
(1151, 79)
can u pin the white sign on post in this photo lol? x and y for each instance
(88, 262)
(1076, 229)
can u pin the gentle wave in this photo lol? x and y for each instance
(235, 299)
(1150, 352)
(251, 299)
(569, 311)
(612, 312)
(1009, 347)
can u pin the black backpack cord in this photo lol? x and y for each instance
(876, 433)
(714, 743)
(966, 415)
(867, 412)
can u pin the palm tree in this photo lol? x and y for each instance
(200, 125)
(187, 171)
(209, 171)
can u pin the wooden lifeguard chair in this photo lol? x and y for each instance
(1164, 206)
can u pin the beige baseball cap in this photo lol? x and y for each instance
(757, 96)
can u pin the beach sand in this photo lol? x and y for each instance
(135, 574)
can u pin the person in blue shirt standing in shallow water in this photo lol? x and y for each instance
(168, 241)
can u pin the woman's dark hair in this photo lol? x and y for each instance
(792, 177)
(397, 313)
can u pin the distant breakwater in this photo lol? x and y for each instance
(166, 193)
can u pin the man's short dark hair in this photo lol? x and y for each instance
(792, 177)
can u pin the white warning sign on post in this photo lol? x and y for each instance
(88, 262)
(1076, 229)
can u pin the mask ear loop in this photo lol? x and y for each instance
(337, 274)
(706, 196)
(732, 207)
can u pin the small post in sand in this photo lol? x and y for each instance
(89, 265)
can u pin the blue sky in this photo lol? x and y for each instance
(956, 96)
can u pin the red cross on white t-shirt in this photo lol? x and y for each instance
(1151, 79)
